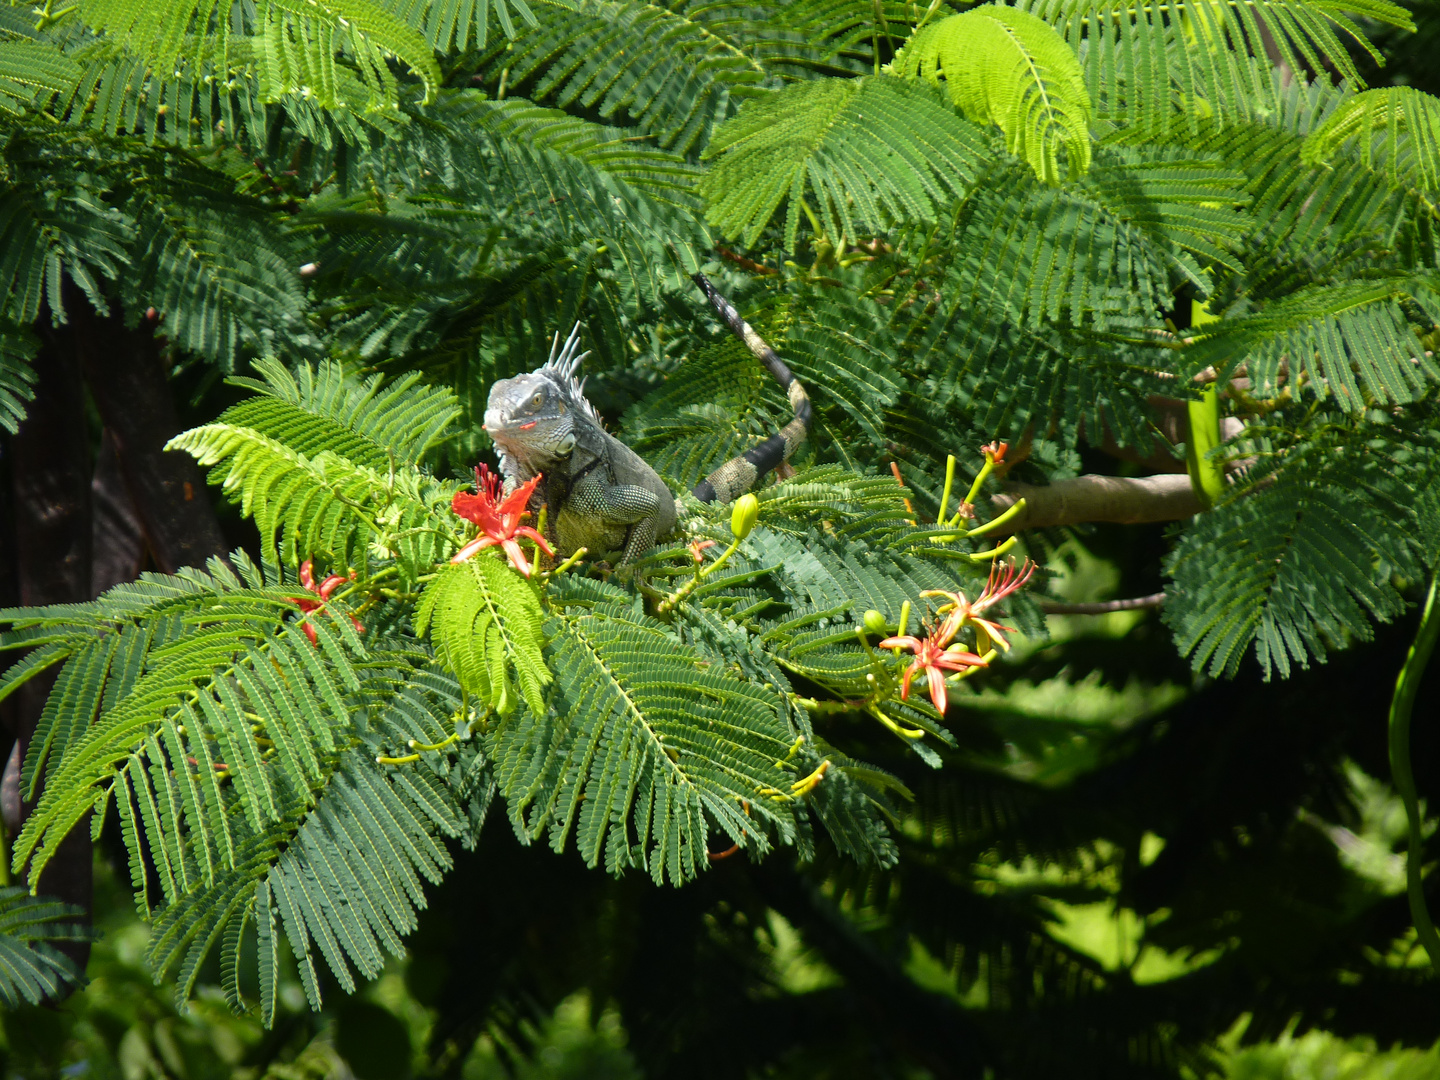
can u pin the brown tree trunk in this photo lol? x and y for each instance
(127, 378)
(50, 509)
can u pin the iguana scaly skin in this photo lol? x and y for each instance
(598, 493)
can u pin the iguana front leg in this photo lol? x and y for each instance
(614, 513)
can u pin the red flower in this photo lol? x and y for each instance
(323, 590)
(697, 546)
(934, 658)
(995, 451)
(999, 586)
(499, 519)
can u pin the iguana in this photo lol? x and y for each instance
(598, 493)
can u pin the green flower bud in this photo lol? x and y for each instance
(875, 622)
(744, 516)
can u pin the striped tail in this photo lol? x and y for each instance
(739, 474)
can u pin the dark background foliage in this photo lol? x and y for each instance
(1123, 868)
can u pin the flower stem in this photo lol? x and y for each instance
(1401, 706)
(567, 564)
(980, 478)
(994, 523)
(441, 745)
(949, 481)
(995, 552)
(674, 599)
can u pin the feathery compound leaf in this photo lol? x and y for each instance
(666, 65)
(30, 69)
(219, 274)
(1147, 66)
(297, 41)
(1347, 340)
(485, 620)
(45, 233)
(1006, 67)
(1294, 566)
(343, 488)
(1397, 126)
(31, 969)
(366, 420)
(315, 505)
(449, 26)
(227, 739)
(644, 749)
(869, 151)
(17, 377)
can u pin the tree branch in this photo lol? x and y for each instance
(1124, 500)
(1103, 607)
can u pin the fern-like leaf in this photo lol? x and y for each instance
(868, 151)
(1396, 128)
(1295, 566)
(17, 377)
(1351, 340)
(1155, 69)
(31, 968)
(1007, 67)
(485, 620)
(644, 749)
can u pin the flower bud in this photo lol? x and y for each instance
(875, 622)
(744, 516)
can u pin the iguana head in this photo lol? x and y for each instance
(532, 418)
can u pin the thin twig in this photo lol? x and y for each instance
(1104, 607)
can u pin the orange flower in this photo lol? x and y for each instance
(995, 451)
(999, 586)
(935, 659)
(697, 546)
(323, 590)
(499, 519)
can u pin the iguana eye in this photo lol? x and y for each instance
(537, 400)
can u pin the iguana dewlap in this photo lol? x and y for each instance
(598, 493)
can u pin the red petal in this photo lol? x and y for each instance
(960, 661)
(328, 585)
(310, 633)
(913, 644)
(472, 548)
(474, 508)
(937, 690)
(528, 532)
(516, 501)
(306, 577)
(517, 557)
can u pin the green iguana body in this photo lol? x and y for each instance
(598, 493)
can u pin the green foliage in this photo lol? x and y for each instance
(645, 736)
(328, 465)
(1313, 541)
(1158, 70)
(31, 968)
(668, 68)
(1004, 66)
(286, 785)
(1340, 338)
(485, 622)
(1409, 146)
(870, 152)
(17, 377)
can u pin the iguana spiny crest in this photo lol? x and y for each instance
(598, 493)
